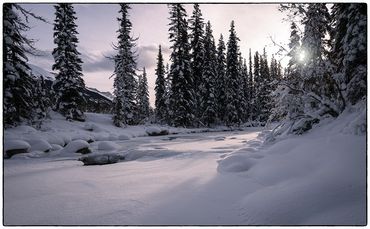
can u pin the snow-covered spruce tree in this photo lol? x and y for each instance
(275, 74)
(68, 84)
(196, 37)
(349, 50)
(264, 95)
(160, 89)
(245, 92)
(209, 102)
(182, 99)
(255, 113)
(232, 82)
(124, 106)
(289, 105)
(251, 89)
(19, 85)
(319, 91)
(167, 94)
(221, 80)
(242, 89)
(42, 102)
(143, 98)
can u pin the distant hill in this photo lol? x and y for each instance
(97, 101)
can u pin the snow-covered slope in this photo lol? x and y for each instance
(37, 71)
(106, 94)
(315, 179)
(191, 178)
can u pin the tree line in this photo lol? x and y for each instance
(210, 84)
(206, 83)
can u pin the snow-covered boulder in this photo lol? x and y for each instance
(13, 147)
(56, 147)
(86, 137)
(40, 145)
(156, 131)
(107, 145)
(101, 159)
(77, 146)
(123, 137)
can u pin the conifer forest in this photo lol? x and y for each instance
(195, 127)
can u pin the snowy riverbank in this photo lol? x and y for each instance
(215, 178)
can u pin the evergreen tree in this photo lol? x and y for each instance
(182, 100)
(264, 95)
(288, 96)
(68, 84)
(124, 106)
(143, 98)
(209, 102)
(251, 89)
(246, 92)
(349, 50)
(221, 80)
(242, 90)
(257, 86)
(232, 82)
(196, 26)
(160, 89)
(167, 94)
(41, 99)
(318, 85)
(19, 104)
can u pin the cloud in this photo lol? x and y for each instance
(146, 57)
(95, 63)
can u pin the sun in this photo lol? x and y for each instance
(302, 56)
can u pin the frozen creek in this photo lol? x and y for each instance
(169, 179)
(215, 178)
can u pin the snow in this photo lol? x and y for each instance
(39, 145)
(37, 71)
(123, 137)
(100, 159)
(191, 178)
(106, 95)
(76, 145)
(16, 144)
(107, 145)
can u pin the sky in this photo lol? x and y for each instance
(97, 26)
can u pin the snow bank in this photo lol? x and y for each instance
(318, 178)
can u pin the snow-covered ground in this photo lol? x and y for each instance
(213, 178)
